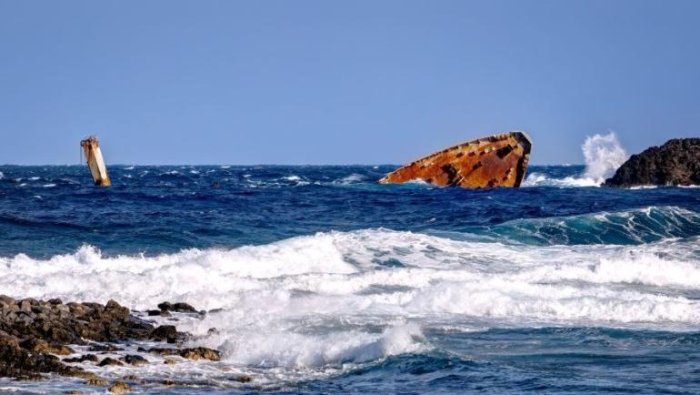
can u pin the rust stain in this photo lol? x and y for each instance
(499, 160)
(95, 161)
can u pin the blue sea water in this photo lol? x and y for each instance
(319, 280)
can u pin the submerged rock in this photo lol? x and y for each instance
(119, 387)
(135, 360)
(110, 362)
(677, 162)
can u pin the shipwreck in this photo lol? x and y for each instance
(499, 160)
(95, 161)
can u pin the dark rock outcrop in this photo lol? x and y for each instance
(33, 333)
(677, 162)
(72, 323)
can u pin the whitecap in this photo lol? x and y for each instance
(351, 179)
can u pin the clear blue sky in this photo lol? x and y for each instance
(340, 82)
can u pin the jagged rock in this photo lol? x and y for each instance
(677, 162)
(110, 362)
(19, 363)
(119, 387)
(31, 331)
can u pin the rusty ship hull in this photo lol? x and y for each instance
(495, 161)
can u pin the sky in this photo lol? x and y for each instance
(340, 82)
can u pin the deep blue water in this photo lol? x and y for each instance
(555, 289)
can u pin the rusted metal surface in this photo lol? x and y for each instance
(494, 161)
(95, 161)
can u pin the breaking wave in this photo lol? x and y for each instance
(350, 297)
(603, 155)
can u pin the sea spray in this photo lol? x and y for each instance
(603, 154)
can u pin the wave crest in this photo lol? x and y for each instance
(635, 226)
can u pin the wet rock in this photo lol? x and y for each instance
(177, 307)
(677, 162)
(41, 346)
(135, 360)
(165, 332)
(32, 331)
(170, 361)
(198, 353)
(110, 362)
(19, 363)
(195, 353)
(104, 348)
(119, 387)
(82, 358)
(6, 300)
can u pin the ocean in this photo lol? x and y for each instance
(316, 279)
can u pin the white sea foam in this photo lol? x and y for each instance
(1, 175)
(351, 179)
(330, 299)
(540, 179)
(603, 155)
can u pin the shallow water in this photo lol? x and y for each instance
(319, 280)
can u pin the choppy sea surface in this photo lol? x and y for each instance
(319, 280)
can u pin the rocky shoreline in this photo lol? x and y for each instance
(37, 339)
